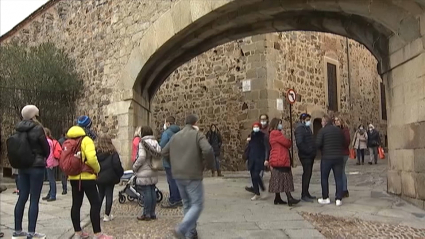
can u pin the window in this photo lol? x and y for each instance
(332, 87)
(383, 101)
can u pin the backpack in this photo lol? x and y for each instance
(19, 150)
(57, 149)
(70, 159)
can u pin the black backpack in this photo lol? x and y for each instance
(19, 151)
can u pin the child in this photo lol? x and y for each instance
(256, 154)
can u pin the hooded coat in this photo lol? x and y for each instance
(142, 167)
(165, 138)
(111, 169)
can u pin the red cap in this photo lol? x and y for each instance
(256, 124)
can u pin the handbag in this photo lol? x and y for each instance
(156, 163)
(381, 152)
(352, 154)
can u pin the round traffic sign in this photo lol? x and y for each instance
(291, 96)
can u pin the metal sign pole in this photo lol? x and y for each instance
(292, 145)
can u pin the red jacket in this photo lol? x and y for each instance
(346, 132)
(136, 141)
(279, 153)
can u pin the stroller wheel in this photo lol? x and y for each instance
(121, 199)
(159, 196)
(140, 201)
(130, 198)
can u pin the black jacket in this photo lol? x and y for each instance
(305, 142)
(330, 140)
(373, 139)
(37, 139)
(214, 138)
(111, 169)
(257, 151)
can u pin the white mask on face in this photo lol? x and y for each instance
(256, 129)
(196, 127)
(165, 126)
(308, 123)
(263, 123)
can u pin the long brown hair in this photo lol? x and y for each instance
(104, 145)
(274, 123)
(48, 133)
(146, 131)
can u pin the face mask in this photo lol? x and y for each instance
(361, 128)
(370, 129)
(256, 129)
(308, 123)
(279, 127)
(165, 126)
(263, 123)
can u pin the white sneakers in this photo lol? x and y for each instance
(107, 218)
(256, 197)
(328, 201)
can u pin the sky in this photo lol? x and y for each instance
(13, 12)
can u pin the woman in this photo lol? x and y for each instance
(214, 138)
(15, 176)
(360, 143)
(110, 173)
(256, 154)
(136, 141)
(85, 182)
(31, 179)
(51, 164)
(281, 180)
(146, 178)
(346, 152)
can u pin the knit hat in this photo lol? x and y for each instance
(84, 121)
(256, 124)
(29, 112)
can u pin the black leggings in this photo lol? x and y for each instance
(108, 191)
(89, 188)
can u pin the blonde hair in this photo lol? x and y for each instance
(137, 131)
(104, 145)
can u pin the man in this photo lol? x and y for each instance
(64, 177)
(185, 153)
(264, 121)
(330, 141)
(170, 128)
(373, 142)
(306, 152)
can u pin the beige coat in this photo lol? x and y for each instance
(360, 141)
(148, 146)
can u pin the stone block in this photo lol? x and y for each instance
(420, 185)
(264, 94)
(408, 184)
(252, 95)
(397, 96)
(181, 15)
(397, 115)
(258, 84)
(117, 108)
(419, 160)
(421, 107)
(199, 9)
(394, 182)
(409, 28)
(253, 114)
(356, 7)
(396, 160)
(411, 112)
(408, 160)
(163, 34)
(422, 24)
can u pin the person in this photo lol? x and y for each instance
(339, 122)
(281, 180)
(110, 173)
(373, 142)
(214, 138)
(135, 145)
(64, 177)
(257, 153)
(85, 182)
(306, 152)
(51, 165)
(16, 177)
(31, 179)
(185, 152)
(146, 177)
(264, 121)
(360, 143)
(330, 141)
(170, 129)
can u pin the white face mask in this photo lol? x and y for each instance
(256, 129)
(308, 123)
(196, 127)
(165, 126)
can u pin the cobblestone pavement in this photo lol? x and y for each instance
(336, 227)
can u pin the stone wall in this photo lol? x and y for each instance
(211, 85)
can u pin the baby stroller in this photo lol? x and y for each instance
(130, 193)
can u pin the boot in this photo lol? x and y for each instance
(291, 200)
(278, 200)
(212, 173)
(219, 173)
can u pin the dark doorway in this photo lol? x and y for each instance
(317, 125)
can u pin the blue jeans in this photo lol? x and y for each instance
(172, 186)
(149, 200)
(51, 172)
(336, 165)
(64, 179)
(30, 183)
(217, 163)
(192, 192)
(344, 176)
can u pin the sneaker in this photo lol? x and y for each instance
(19, 235)
(64, 192)
(178, 234)
(51, 200)
(338, 202)
(103, 236)
(324, 201)
(306, 199)
(36, 235)
(82, 235)
(256, 197)
(107, 218)
(168, 204)
(249, 189)
(46, 197)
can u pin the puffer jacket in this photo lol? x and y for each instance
(51, 162)
(279, 153)
(88, 153)
(111, 169)
(37, 140)
(305, 142)
(142, 167)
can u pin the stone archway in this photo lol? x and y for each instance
(394, 31)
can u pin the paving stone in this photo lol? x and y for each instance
(284, 225)
(303, 233)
